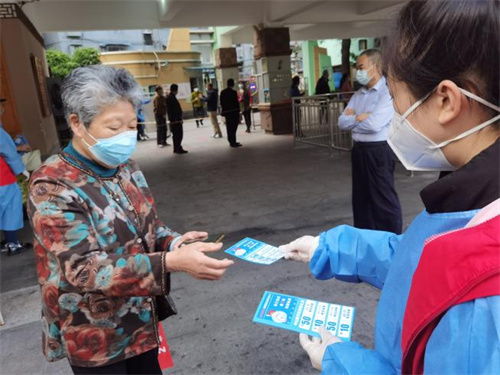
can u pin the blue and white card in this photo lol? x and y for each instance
(255, 251)
(305, 315)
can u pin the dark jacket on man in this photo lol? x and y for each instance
(229, 102)
(174, 109)
(322, 86)
(212, 100)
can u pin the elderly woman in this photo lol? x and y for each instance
(103, 256)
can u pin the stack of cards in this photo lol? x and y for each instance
(304, 315)
(289, 312)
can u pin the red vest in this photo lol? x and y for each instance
(7, 177)
(454, 268)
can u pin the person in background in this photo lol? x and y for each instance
(296, 93)
(439, 308)
(294, 88)
(375, 203)
(103, 255)
(11, 206)
(231, 111)
(141, 119)
(212, 100)
(345, 86)
(198, 108)
(345, 83)
(322, 86)
(160, 110)
(31, 158)
(245, 99)
(174, 112)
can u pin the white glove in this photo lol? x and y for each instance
(26, 174)
(302, 249)
(316, 347)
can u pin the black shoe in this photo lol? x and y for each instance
(180, 152)
(197, 124)
(16, 248)
(237, 144)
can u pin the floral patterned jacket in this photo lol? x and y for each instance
(100, 254)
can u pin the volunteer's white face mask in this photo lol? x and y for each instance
(419, 153)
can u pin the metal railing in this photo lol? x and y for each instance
(315, 120)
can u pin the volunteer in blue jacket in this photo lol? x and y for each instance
(443, 75)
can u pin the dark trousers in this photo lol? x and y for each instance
(177, 135)
(232, 121)
(140, 132)
(375, 203)
(145, 363)
(161, 130)
(248, 118)
(10, 236)
(199, 112)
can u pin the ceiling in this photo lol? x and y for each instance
(307, 19)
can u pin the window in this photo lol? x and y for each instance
(114, 47)
(148, 39)
(74, 47)
(74, 34)
(362, 44)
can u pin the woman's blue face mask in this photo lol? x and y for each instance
(114, 150)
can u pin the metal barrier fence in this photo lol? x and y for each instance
(315, 120)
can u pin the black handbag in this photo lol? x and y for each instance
(165, 307)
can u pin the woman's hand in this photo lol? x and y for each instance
(192, 260)
(302, 249)
(190, 237)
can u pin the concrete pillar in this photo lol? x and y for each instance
(226, 66)
(179, 40)
(272, 54)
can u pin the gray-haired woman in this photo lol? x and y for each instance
(103, 255)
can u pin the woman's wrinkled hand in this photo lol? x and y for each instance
(192, 260)
(190, 237)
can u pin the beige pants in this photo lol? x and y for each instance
(215, 122)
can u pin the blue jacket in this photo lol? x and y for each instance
(466, 340)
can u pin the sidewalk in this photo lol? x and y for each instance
(266, 189)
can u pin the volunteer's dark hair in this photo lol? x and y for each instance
(174, 87)
(295, 81)
(457, 40)
(230, 82)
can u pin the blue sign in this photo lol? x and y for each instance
(255, 251)
(305, 315)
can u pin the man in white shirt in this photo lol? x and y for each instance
(368, 115)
